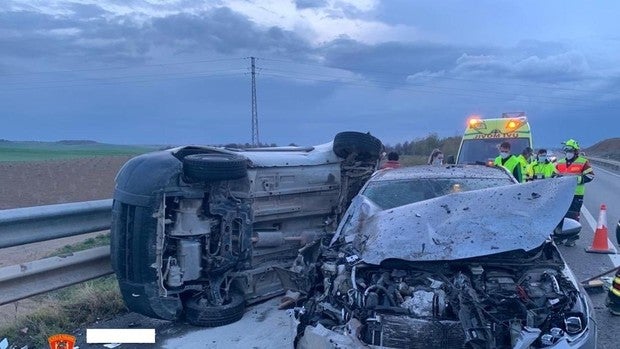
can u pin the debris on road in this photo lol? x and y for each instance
(289, 299)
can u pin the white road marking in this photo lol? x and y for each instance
(615, 258)
(598, 168)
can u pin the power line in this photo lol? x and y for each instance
(107, 79)
(430, 76)
(125, 82)
(482, 94)
(415, 89)
(389, 84)
(123, 67)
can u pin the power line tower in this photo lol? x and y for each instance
(255, 141)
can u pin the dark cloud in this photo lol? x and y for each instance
(84, 36)
(87, 10)
(226, 32)
(390, 59)
(29, 21)
(91, 34)
(303, 4)
(563, 67)
(527, 48)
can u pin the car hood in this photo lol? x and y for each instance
(468, 224)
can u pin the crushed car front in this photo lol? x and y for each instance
(470, 269)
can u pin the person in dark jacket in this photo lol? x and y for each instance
(392, 161)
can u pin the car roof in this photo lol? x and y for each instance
(445, 171)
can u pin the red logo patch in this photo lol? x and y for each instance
(61, 341)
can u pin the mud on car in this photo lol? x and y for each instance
(197, 231)
(444, 257)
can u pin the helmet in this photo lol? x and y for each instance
(571, 143)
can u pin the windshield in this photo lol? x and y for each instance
(483, 150)
(390, 194)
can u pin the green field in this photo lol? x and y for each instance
(37, 151)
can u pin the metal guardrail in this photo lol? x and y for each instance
(21, 226)
(41, 223)
(614, 165)
(32, 278)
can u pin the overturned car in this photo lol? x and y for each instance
(196, 231)
(472, 268)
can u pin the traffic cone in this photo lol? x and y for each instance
(600, 243)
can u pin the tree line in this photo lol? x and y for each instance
(423, 146)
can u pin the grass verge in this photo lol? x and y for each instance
(67, 309)
(97, 241)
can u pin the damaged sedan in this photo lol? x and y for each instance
(448, 257)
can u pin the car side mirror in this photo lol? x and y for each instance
(618, 232)
(450, 159)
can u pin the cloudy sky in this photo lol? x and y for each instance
(177, 72)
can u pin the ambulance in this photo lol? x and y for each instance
(480, 143)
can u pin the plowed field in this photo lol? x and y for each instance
(24, 184)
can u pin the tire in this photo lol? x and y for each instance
(364, 145)
(210, 316)
(214, 167)
(134, 232)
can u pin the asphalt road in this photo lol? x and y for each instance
(263, 326)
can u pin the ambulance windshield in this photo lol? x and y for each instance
(482, 150)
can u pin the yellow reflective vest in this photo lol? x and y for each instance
(524, 164)
(512, 164)
(540, 170)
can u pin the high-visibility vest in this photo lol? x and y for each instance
(576, 168)
(524, 164)
(538, 170)
(509, 165)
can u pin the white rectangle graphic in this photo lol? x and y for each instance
(120, 335)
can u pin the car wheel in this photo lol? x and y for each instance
(133, 253)
(199, 313)
(364, 145)
(214, 167)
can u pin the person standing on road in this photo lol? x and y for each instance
(509, 161)
(392, 161)
(436, 158)
(613, 295)
(541, 168)
(576, 165)
(525, 158)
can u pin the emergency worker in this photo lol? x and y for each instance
(509, 161)
(541, 167)
(576, 165)
(525, 158)
(613, 295)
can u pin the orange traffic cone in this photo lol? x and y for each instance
(600, 243)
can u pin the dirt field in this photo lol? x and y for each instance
(50, 182)
(53, 182)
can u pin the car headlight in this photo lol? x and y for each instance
(573, 324)
(549, 339)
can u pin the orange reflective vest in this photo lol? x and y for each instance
(578, 168)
